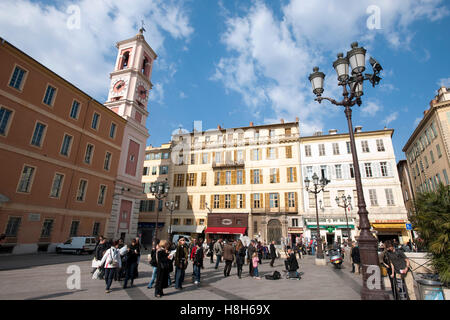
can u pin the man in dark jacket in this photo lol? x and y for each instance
(291, 262)
(228, 256)
(131, 263)
(197, 260)
(211, 250)
(251, 249)
(356, 260)
(273, 253)
(181, 262)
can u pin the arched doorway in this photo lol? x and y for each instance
(274, 231)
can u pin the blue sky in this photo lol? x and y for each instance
(232, 62)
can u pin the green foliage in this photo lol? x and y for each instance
(432, 221)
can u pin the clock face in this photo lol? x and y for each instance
(119, 87)
(142, 92)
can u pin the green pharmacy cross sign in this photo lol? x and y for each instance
(330, 229)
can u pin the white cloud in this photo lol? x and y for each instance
(444, 82)
(157, 93)
(370, 109)
(269, 59)
(85, 56)
(183, 95)
(390, 118)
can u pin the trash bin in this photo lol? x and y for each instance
(430, 289)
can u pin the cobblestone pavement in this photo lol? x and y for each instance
(44, 276)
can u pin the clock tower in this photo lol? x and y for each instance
(128, 97)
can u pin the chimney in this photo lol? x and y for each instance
(219, 127)
(318, 133)
(297, 119)
(282, 120)
(358, 129)
(332, 131)
(251, 124)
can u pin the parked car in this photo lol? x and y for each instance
(77, 245)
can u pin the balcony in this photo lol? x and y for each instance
(228, 164)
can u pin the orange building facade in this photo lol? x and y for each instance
(59, 157)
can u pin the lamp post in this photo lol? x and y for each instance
(171, 206)
(318, 187)
(367, 242)
(160, 190)
(346, 203)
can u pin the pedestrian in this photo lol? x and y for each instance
(197, 255)
(138, 248)
(211, 251)
(131, 262)
(162, 268)
(255, 261)
(99, 251)
(260, 251)
(400, 265)
(387, 265)
(181, 262)
(218, 251)
(273, 253)
(228, 256)
(111, 262)
(250, 251)
(240, 257)
(356, 260)
(123, 249)
(291, 262)
(154, 264)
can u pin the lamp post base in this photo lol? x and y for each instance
(321, 262)
(375, 294)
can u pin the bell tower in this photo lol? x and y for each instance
(128, 97)
(130, 80)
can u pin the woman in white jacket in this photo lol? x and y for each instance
(112, 263)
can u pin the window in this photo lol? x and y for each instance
(154, 168)
(147, 206)
(294, 222)
(287, 132)
(47, 228)
(291, 199)
(216, 201)
(204, 158)
(324, 171)
(256, 136)
(289, 152)
(438, 149)
(336, 148)
(227, 201)
(217, 182)
(65, 148)
(274, 200)
(26, 179)
(17, 78)
(75, 110)
(88, 154)
(271, 153)
(101, 195)
(39, 130)
(201, 222)
(373, 197)
(240, 156)
(426, 161)
(308, 151)
(256, 154)
(165, 155)
(228, 177)
(292, 174)
(239, 177)
(256, 201)
(433, 128)
(112, 130)
(107, 163)
(177, 200)
(274, 175)
(191, 179)
(203, 182)
(389, 197)
(95, 121)
(384, 171)
(352, 171)
(81, 190)
(74, 228)
(13, 226)
(179, 180)
(218, 157)
(163, 169)
(189, 202)
(338, 168)
(321, 149)
(445, 177)
(192, 158)
(365, 146)
(406, 195)
(326, 199)
(380, 145)
(96, 229)
(432, 156)
(57, 185)
(145, 171)
(5, 115)
(368, 168)
(349, 147)
(256, 176)
(271, 133)
(176, 221)
(49, 95)
(309, 172)
(240, 201)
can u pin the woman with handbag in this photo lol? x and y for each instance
(162, 273)
(111, 262)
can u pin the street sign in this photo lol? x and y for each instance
(408, 226)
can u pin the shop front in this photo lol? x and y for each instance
(226, 226)
(391, 230)
(330, 233)
(195, 232)
(146, 231)
(295, 234)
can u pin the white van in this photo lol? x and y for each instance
(77, 245)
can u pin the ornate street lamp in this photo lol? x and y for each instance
(346, 203)
(160, 190)
(356, 59)
(319, 186)
(171, 206)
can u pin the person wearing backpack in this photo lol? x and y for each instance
(154, 265)
(197, 260)
(112, 262)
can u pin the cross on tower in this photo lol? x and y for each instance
(142, 29)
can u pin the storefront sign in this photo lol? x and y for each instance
(227, 222)
(408, 226)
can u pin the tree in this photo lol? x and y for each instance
(432, 221)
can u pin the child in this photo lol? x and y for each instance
(255, 261)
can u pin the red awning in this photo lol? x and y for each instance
(225, 230)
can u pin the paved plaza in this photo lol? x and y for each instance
(44, 276)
